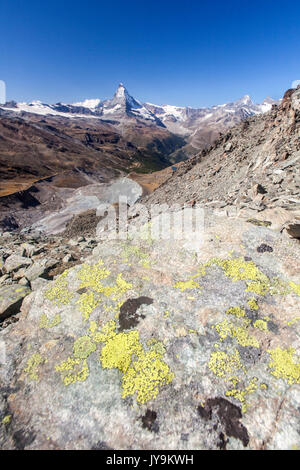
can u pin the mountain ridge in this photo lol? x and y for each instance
(200, 127)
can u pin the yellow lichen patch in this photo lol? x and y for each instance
(283, 365)
(295, 287)
(60, 293)
(293, 321)
(279, 287)
(118, 351)
(120, 287)
(241, 393)
(146, 376)
(87, 303)
(224, 329)
(190, 284)
(46, 323)
(73, 370)
(192, 331)
(156, 346)
(221, 363)
(83, 347)
(201, 271)
(135, 251)
(243, 337)
(253, 305)
(236, 311)
(144, 372)
(6, 420)
(107, 332)
(91, 275)
(32, 366)
(258, 287)
(240, 270)
(263, 386)
(261, 325)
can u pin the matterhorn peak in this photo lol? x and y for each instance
(245, 100)
(123, 98)
(121, 90)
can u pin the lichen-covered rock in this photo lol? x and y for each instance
(11, 297)
(160, 345)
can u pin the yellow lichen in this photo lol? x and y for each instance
(83, 347)
(279, 287)
(144, 372)
(283, 365)
(87, 303)
(236, 311)
(46, 323)
(240, 394)
(224, 329)
(221, 363)
(91, 275)
(244, 338)
(293, 321)
(6, 420)
(107, 332)
(73, 370)
(189, 284)
(263, 386)
(59, 293)
(253, 305)
(295, 287)
(146, 376)
(135, 251)
(32, 366)
(118, 351)
(261, 325)
(240, 270)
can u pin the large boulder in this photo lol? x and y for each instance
(160, 345)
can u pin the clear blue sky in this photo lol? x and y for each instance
(187, 52)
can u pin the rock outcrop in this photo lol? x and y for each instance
(155, 344)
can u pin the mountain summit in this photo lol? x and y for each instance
(124, 105)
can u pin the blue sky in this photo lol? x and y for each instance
(186, 52)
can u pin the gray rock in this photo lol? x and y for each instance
(11, 297)
(187, 373)
(15, 262)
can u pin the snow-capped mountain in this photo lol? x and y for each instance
(200, 126)
(121, 106)
(207, 122)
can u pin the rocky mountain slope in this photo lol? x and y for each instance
(201, 127)
(253, 169)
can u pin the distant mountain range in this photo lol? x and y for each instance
(199, 126)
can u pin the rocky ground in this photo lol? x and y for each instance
(211, 329)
